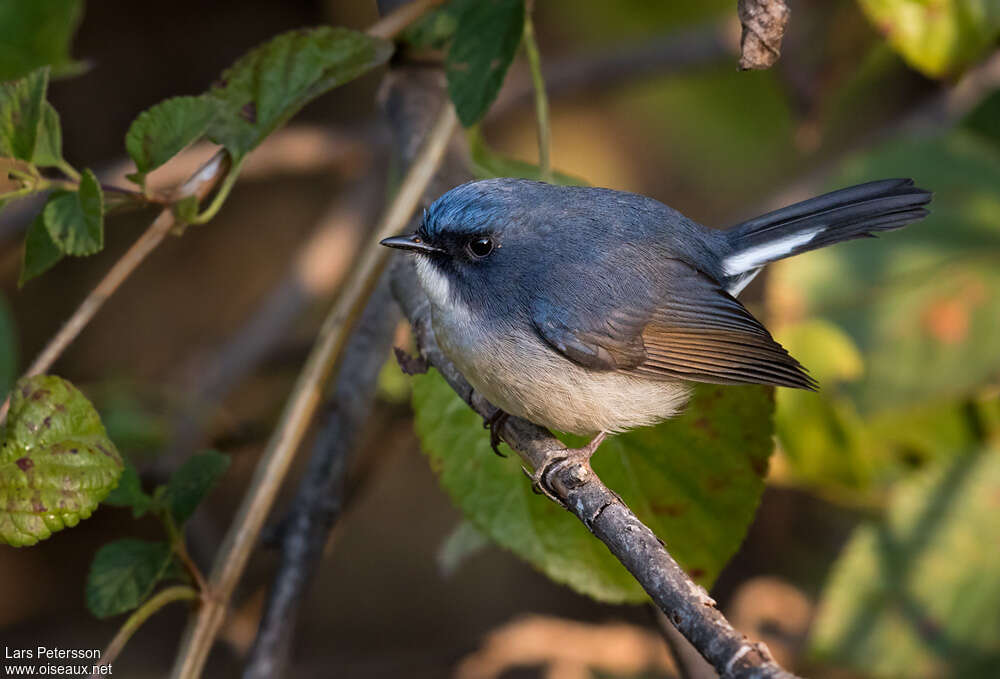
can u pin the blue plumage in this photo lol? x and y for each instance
(591, 310)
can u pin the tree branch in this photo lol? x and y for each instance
(200, 184)
(302, 405)
(579, 489)
(320, 497)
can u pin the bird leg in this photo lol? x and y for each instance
(540, 478)
(495, 423)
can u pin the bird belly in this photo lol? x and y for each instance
(520, 374)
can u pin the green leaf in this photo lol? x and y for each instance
(161, 132)
(192, 481)
(485, 42)
(37, 33)
(123, 575)
(40, 252)
(75, 219)
(21, 113)
(186, 209)
(695, 480)
(48, 144)
(8, 347)
(56, 461)
(918, 594)
(129, 493)
(486, 163)
(270, 84)
(939, 38)
(921, 303)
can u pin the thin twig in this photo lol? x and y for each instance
(199, 185)
(688, 606)
(541, 99)
(140, 616)
(320, 497)
(305, 398)
(180, 550)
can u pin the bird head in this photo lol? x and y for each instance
(476, 240)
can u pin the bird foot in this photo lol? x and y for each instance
(495, 423)
(541, 477)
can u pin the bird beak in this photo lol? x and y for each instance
(411, 242)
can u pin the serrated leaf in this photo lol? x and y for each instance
(37, 33)
(56, 461)
(487, 163)
(123, 575)
(695, 480)
(938, 38)
(161, 132)
(482, 50)
(40, 252)
(918, 594)
(75, 219)
(129, 493)
(21, 110)
(192, 481)
(270, 84)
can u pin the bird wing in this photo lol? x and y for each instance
(691, 329)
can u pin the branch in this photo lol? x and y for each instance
(321, 263)
(140, 616)
(320, 497)
(302, 405)
(541, 98)
(686, 604)
(200, 184)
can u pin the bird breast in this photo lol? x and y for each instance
(518, 372)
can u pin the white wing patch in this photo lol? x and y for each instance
(759, 255)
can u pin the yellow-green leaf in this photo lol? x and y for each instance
(940, 37)
(56, 461)
(917, 595)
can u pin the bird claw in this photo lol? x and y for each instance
(540, 483)
(495, 423)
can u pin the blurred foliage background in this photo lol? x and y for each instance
(875, 551)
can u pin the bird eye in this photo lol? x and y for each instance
(480, 247)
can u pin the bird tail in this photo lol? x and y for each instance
(856, 212)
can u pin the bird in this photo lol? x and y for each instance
(594, 311)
